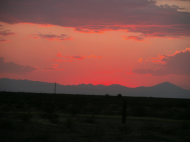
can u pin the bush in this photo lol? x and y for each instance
(107, 95)
(25, 117)
(53, 118)
(96, 134)
(125, 129)
(49, 109)
(6, 124)
(138, 111)
(69, 123)
(89, 119)
(119, 96)
(185, 125)
(72, 110)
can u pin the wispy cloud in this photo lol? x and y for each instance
(55, 37)
(112, 71)
(51, 37)
(78, 57)
(6, 33)
(3, 40)
(53, 68)
(57, 60)
(136, 38)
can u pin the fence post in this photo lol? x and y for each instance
(124, 112)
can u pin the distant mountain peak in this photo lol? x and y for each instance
(166, 84)
(165, 89)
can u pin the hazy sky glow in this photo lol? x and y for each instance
(127, 42)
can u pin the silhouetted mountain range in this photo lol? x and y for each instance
(165, 89)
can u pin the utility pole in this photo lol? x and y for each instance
(53, 98)
(55, 89)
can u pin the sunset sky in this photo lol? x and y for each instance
(128, 42)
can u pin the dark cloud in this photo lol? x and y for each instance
(100, 15)
(178, 64)
(11, 67)
(49, 69)
(51, 37)
(6, 33)
(136, 38)
(55, 37)
(3, 40)
(174, 31)
(57, 60)
(78, 57)
(54, 68)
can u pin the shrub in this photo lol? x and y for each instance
(49, 109)
(138, 111)
(119, 96)
(45, 115)
(185, 125)
(25, 117)
(125, 129)
(6, 124)
(2, 114)
(107, 95)
(96, 134)
(69, 123)
(72, 110)
(53, 118)
(89, 119)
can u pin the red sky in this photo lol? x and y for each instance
(127, 42)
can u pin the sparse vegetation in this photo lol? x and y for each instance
(92, 118)
(25, 117)
(6, 124)
(69, 123)
(124, 129)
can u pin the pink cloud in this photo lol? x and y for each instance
(93, 56)
(68, 60)
(103, 72)
(140, 59)
(130, 72)
(113, 71)
(59, 54)
(178, 64)
(34, 36)
(78, 57)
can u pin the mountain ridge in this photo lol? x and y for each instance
(165, 89)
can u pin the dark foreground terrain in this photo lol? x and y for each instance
(30, 117)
